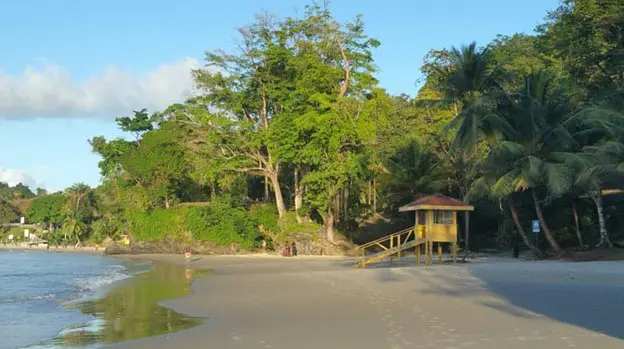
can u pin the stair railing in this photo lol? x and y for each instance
(386, 242)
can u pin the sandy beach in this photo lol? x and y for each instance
(43, 248)
(321, 302)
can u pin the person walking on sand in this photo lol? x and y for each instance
(293, 249)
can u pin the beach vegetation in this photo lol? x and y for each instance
(291, 135)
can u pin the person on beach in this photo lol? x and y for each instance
(187, 254)
(264, 246)
(293, 249)
(286, 250)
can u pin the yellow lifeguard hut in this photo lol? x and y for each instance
(436, 221)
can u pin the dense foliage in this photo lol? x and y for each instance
(47, 209)
(8, 214)
(526, 127)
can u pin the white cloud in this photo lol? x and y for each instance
(50, 91)
(14, 177)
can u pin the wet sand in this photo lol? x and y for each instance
(319, 302)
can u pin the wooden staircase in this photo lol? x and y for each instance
(391, 245)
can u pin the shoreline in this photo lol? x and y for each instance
(268, 301)
(152, 281)
(271, 301)
(84, 250)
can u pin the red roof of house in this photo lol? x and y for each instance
(436, 200)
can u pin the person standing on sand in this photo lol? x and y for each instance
(293, 249)
(286, 250)
(264, 246)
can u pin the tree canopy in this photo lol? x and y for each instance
(292, 132)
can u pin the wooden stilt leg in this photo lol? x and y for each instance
(454, 252)
(440, 252)
(429, 252)
(418, 254)
(429, 244)
(391, 247)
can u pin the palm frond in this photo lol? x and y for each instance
(481, 187)
(558, 178)
(570, 159)
(533, 168)
(509, 149)
(506, 184)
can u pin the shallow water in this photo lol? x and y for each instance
(84, 301)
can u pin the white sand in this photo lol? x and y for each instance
(269, 302)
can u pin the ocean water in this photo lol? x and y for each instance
(37, 289)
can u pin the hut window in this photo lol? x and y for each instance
(443, 217)
(422, 217)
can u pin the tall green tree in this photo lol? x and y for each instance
(47, 209)
(8, 214)
(249, 89)
(587, 36)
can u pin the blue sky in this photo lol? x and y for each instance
(69, 67)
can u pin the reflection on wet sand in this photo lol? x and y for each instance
(131, 310)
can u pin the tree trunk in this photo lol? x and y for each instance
(604, 236)
(374, 198)
(167, 203)
(266, 189)
(336, 206)
(540, 215)
(298, 197)
(330, 223)
(467, 233)
(279, 199)
(370, 193)
(345, 203)
(213, 191)
(523, 234)
(576, 226)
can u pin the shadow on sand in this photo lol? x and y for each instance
(587, 295)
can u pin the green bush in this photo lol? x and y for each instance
(220, 223)
(105, 228)
(156, 225)
(289, 226)
(265, 214)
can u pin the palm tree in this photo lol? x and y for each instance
(541, 152)
(493, 169)
(532, 157)
(78, 210)
(410, 172)
(471, 84)
(74, 228)
(599, 162)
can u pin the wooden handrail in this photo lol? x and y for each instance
(383, 238)
(362, 248)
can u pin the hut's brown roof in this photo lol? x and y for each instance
(436, 201)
